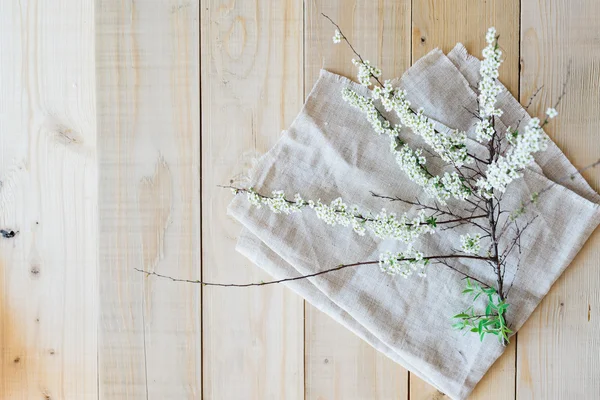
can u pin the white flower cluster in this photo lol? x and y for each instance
(451, 147)
(366, 71)
(338, 213)
(404, 263)
(337, 36)
(367, 106)
(441, 188)
(449, 185)
(388, 226)
(488, 88)
(412, 162)
(511, 136)
(384, 225)
(470, 244)
(551, 112)
(277, 203)
(484, 130)
(507, 168)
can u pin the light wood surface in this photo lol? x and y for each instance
(119, 118)
(147, 66)
(559, 347)
(48, 193)
(251, 90)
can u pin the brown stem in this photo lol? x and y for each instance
(339, 267)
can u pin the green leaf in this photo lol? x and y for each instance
(461, 315)
(488, 309)
(502, 320)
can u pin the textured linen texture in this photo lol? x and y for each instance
(331, 151)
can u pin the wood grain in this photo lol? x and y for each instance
(147, 60)
(558, 347)
(251, 90)
(101, 150)
(438, 23)
(442, 24)
(339, 365)
(48, 297)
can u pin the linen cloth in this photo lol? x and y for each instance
(331, 151)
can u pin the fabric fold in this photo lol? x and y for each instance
(330, 151)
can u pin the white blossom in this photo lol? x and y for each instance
(383, 225)
(386, 225)
(470, 244)
(367, 106)
(488, 87)
(507, 168)
(366, 71)
(277, 203)
(484, 130)
(451, 146)
(511, 136)
(404, 263)
(337, 36)
(412, 162)
(551, 112)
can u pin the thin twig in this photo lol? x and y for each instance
(564, 178)
(350, 44)
(445, 263)
(517, 238)
(339, 267)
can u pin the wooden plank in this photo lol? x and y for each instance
(442, 24)
(339, 365)
(147, 61)
(48, 271)
(251, 90)
(559, 346)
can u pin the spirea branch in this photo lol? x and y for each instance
(468, 194)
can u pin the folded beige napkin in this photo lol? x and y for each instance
(331, 151)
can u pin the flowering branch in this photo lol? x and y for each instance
(451, 147)
(326, 271)
(474, 190)
(383, 225)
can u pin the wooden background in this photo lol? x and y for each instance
(118, 118)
